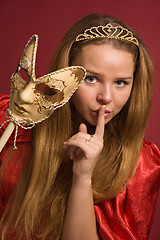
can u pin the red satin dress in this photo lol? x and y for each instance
(128, 216)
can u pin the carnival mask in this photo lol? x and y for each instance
(33, 100)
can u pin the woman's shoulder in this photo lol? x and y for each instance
(148, 168)
(150, 151)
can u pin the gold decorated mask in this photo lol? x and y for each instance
(33, 100)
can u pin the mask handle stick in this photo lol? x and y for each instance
(7, 133)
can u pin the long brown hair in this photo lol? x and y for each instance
(38, 205)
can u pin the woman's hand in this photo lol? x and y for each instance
(85, 149)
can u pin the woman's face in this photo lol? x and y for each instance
(108, 82)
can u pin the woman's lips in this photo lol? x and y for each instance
(106, 114)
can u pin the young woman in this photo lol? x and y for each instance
(89, 173)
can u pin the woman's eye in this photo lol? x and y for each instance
(121, 83)
(91, 79)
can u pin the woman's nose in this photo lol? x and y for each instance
(105, 94)
(27, 94)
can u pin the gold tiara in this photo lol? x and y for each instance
(111, 31)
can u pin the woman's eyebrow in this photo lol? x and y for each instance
(101, 75)
(94, 73)
(125, 78)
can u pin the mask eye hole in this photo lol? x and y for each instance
(44, 89)
(41, 88)
(23, 75)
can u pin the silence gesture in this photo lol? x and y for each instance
(85, 148)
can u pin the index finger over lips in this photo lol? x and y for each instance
(100, 122)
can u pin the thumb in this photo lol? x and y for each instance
(83, 128)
